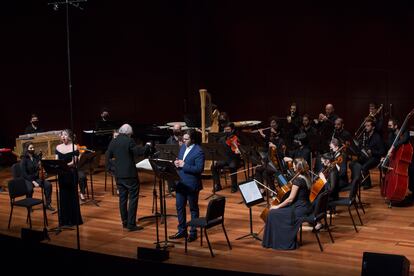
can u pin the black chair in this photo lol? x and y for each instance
(214, 216)
(316, 217)
(351, 199)
(16, 170)
(17, 188)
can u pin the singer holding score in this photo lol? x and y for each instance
(190, 165)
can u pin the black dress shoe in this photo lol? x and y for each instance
(178, 235)
(135, 228)
(50, 208)
(191, 238)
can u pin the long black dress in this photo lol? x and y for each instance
(283, 224)
(69, 210)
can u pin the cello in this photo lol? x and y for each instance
(395, 167)
(281, 194)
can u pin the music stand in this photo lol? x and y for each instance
(56, 167)
(214, 137)
(251, 196)
(165, 170)
(87, 159)
(167, 151)
(214, 152)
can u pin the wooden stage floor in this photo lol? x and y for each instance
(385, 230)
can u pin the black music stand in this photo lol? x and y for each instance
(214, 152)
(56, 167)
(85, 163)
(167, 151)
(165, 170)
(251, 196)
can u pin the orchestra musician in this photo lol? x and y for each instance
(371, 152)
(343, 136)
(177, 136)
(325, 126)
(275, 145)
(331, 179)
(233, 158)
(190, 165)
(378, 118)
(30, 172)
(69, 205)
(122, 150)
(293, 123)
(175, 139)
(301, 149)
(310, 131)
(334, 147)
(284, 220)
(34, 125)
(393, 128)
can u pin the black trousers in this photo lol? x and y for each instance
(367, 165)
(233, 165)
(128, 200)
(47, 189)
(265, 173)
(82, 181)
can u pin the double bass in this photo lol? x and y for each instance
(395, 168)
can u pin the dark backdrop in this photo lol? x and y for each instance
(146, 60)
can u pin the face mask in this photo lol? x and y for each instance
(177, 133)
(31, 151)
(390, 130)
(35, 123)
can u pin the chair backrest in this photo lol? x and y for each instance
(321, 205)
(17, 187)
(16, 170)
(215, 208)
(356, 176)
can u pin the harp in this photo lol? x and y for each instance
(206, 113)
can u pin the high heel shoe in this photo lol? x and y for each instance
(82, 197)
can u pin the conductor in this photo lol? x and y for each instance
(123, 150)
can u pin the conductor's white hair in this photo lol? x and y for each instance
(125, 129)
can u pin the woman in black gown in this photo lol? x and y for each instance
(69, 211)
(284, 220)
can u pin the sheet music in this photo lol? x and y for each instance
(250, 191)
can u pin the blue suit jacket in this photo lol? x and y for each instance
(190, 173)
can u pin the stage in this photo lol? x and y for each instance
(385, 230)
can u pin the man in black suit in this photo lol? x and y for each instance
(123, 150)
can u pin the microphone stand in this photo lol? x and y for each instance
(76, 4)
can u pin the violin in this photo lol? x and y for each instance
(83, 149)
(233, 143)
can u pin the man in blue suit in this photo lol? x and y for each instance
(190, 165)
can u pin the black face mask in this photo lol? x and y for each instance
(177, 133)
(31, 151)
(390, 130)
(36, 123)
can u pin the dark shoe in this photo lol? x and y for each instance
(135, 228)
(217, 188)
(178, 235)
(50, 208)
(191, 238)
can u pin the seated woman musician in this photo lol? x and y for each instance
(330, 175)
(30, 171)
(284, 220)
(233, 158)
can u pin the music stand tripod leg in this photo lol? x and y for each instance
(251, 234)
